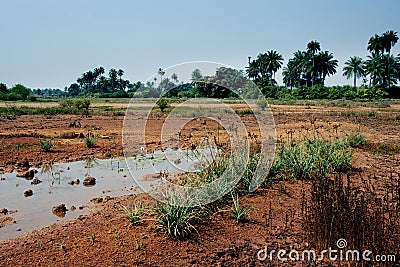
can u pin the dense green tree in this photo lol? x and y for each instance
(354, 67)
(74, 89)
(262, 70)
(21, 90)
(3, 88)
(309, 67)
(226, 82)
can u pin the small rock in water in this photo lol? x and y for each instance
(71, 182)
(28, 193)
(98, 200)
(36, 181)
(67, 168)
(77, 181)
(89, 181)
(60, 208)
(25, 164)
(4, 211)
(27, 174)
(72, 208)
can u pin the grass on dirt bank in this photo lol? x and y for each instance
(303, 159)
(336, 207)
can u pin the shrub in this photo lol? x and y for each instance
(82, 104)
(76, 105)
(356, 140)
(162, 103)
(66, 103)
(10, 96)
(133, 214)
(90, 140)
(175, 220)
(32, 98)
(46, 145)
(314, 158)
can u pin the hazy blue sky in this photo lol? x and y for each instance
(49, 43)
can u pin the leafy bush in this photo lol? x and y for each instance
(10, 96)
(66, 103)
(80, 105)
(90, 140)
(32, 98)
(21, 90)
(46, 145)
(162, 103)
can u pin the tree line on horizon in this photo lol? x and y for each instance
(303, 77)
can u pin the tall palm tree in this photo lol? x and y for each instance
(161, 72)
(354, 67)
(113, 78)
(291, 75)
(389, 39)
(375, 44)
(253, 70)
(174, 77)
(267, 64)
(375, 68)
(121, 83)
(273, 62)
(103, 84)
(98, 72)
(326, 65)
(300, 60)
(313, 47)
